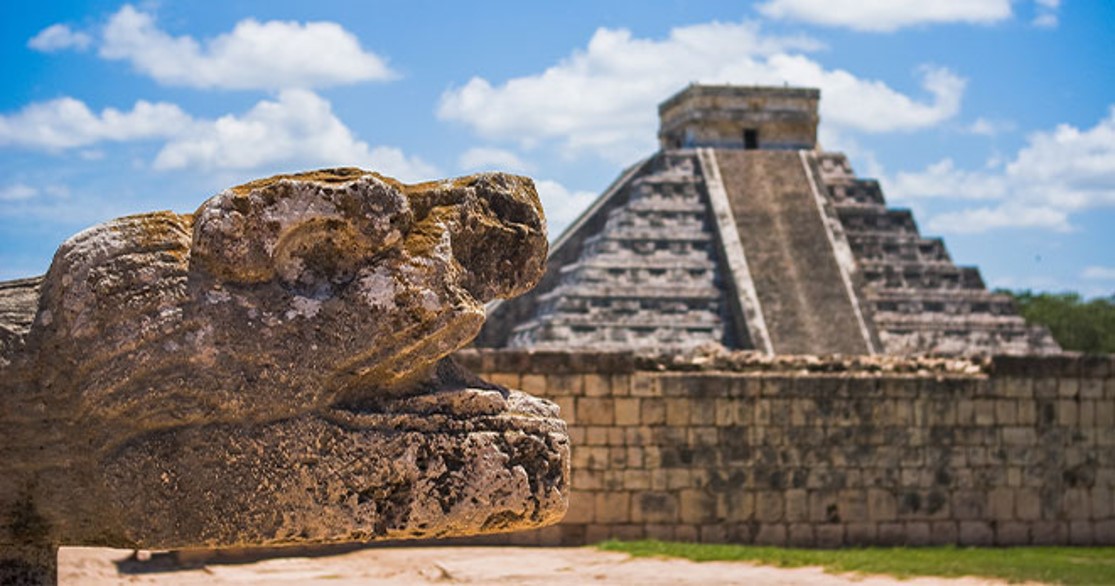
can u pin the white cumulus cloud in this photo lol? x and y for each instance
(603, 98)
(1073, 168)
(1011, 215)
(297, 128)
(1057, 173)
(67, 122)
(990, 128)
(943, 180)
(1046, 16)
(491, 159)
(17, 192)
(561, 204)
(254, 55)
(57, 37)
(887, 15)
(1099, 273)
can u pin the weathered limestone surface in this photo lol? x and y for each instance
(649, 279)
(271, 369)
(920, 300)
(827, 451)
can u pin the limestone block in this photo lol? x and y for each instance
(1068, 388)
(969, 504)
(558, 385)
(860, 533)
(677, 412)
(597, 385)
(1091, 388)
(917, 534)
(771, 535)
(728, 412)
(829, 536)
(943, 533)
(769, 506)
(627, 411)
(679, 478)
(566, 409)
(1001, 504)
(823, 507)
(714, 534)
(1019, 388)
(534, 384)
(891, 534)
(696, 506)
(1077, 504)
(1006, 412)
(1012, 533)
(586, 480)
(881, 505)
(737, 506)
(797, 506)
(617, 460)
(1081, 533)
(613, 507)
(645, 385)
(702, 412)
(1087, 414)
(977, 533)
(596, 435)
(1019, 436)
(269, 370)
(655, 507)
(621, 385)
(966, 412)
(582, 508)
(653, 411)
(1103, 502)
(1104, 532)
(801, 535)
(1105, 413)
(1068, 412)
(1027, 412)
(637, 479)
(687, 533)
(598, 533)
(661, 532)
(1048, 533)
(595, 411)
(984, 412)
(852, 505)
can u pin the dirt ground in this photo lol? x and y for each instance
(449, 565)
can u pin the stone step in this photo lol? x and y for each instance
(798, 282)
(859, 219)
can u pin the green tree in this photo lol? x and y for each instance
(1076, 324)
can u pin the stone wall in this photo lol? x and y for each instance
(825, 453)
(716, 116)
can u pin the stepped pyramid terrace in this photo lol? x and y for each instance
(742, 231)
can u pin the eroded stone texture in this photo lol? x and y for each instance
(269, 370)
(742, 231)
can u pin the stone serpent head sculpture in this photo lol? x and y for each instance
(271, 369)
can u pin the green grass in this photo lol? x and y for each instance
(1060, 565)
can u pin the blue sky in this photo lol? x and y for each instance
(994, 120)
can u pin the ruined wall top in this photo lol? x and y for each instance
(740, 117)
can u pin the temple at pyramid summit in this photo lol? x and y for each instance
(741, 231)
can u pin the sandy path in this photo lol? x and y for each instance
(462, 565)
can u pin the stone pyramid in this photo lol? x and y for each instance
(741, 231)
